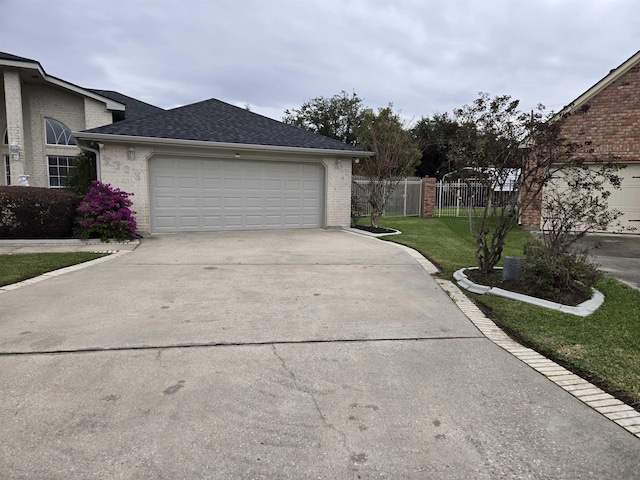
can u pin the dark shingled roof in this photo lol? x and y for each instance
(15, 58)
(216, 121)
(134, 108)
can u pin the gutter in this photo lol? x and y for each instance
(105, 137)
(85, 146)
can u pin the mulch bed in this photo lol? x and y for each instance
(370, 229)
(494, 279)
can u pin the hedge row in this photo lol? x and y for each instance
(33, 213)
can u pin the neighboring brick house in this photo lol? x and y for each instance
(205, 166)
(607, 118)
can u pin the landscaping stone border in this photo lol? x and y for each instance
(582, 310)
(615, 410)
(369, 234)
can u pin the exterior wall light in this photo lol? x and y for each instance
(15, 150)
(132, 153)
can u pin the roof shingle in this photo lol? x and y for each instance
(216, 121)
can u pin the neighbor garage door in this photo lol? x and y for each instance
(203, 194)
(627, 199)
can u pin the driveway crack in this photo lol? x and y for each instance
(310, 394)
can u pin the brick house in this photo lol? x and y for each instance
(607, 117)
(205, 166)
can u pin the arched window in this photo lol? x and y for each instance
(5, 139)
(58, 133)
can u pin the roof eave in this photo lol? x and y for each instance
(105, 137)
(110, 104)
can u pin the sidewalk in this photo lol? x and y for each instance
(65, 245)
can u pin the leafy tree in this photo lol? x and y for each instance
(497, 143)
(336, 117)
(434, 137)
(395, 155)
(82, 174)
(505, 150)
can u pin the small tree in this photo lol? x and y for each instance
(395, 155)
(82, 174)
(575, 203)
(507, 150)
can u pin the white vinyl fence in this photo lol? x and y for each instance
(405, 199)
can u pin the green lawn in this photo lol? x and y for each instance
(604, 347)
(18, 267)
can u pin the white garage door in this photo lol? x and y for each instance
(202, 195)
(627, 199)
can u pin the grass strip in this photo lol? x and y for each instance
(22, 266)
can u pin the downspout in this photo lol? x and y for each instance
(84, 146)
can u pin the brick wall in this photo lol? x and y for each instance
(129, 175)
(42, 102)
(14, 122)
(428, 197)
(338, 192)
(609, 123)
(611, 119)
(96, 114)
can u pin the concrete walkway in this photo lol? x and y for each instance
(299, 354)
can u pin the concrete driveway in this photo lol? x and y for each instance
(297, 354)
(617, 255)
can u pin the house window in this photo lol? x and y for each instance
(58, 133)
(58, 170)
(7, 169)
(5, 139)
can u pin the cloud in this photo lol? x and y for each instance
(425, 56)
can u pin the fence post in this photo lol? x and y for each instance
(428, 197)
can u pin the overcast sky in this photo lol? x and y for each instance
(425, 56)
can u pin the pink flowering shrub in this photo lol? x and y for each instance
(104, 212)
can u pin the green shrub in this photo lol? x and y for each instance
(33, 213)
(82, 174)
(553, 273)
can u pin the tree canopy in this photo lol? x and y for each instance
(335, 117)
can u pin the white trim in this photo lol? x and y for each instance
(613, 75)
(111, 104)
(105, 137)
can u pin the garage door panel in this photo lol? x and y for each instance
(188, 202)
(210, 183)
(273, 202)
(165, 202)
(212, 221)
(198, 194)
(253, 184)
(166, 222)
(188, 182)
(164, 182)
(211, 202)
(189, 221)
(254, 202)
